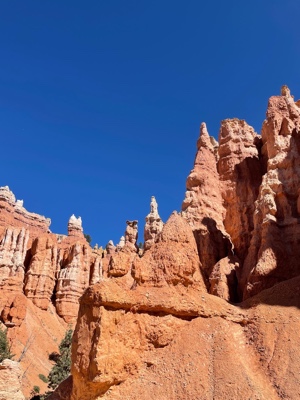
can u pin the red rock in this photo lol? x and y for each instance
(14, 309)
(131, 235)
(13, 214)
(10, 381)
(42, 272)
(73, 279)
(147, 327)
(240, 169)
(274, 252)
(173, 259)
(75, 227)
(13, 250)
(203, 205)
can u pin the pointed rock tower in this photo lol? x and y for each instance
(153, 226)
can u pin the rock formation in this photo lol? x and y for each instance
(120, 263)
(137, 304)
(73, 279)
(75, 227)
(42, 272)
(165, 323)
(162, 336)
(12, 213)
(240, 171)
(44, 266)
(153, 225)
(13, 250)
(10, 381)
(121, 243)
(153, 331)
(274, 252)
(110, 247)
(203, 205)
(131, 235)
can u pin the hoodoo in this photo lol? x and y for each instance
(209, 310)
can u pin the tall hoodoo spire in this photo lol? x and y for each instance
(153, 226)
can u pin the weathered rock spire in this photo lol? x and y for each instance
(75, 226)
(131, 235)
(153, 226)
(203, 204)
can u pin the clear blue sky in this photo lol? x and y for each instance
(101, 101)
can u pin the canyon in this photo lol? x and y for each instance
(208, 309)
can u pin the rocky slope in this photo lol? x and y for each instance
(209, 309)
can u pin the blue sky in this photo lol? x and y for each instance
(101, 101)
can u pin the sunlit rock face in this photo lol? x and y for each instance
(165, 315)
(75, 227)
(274, 250)
(13, 214)
(162, 330)
(240, 169)
(203, 205)
(10, 381)
(153, 226)
(131, 235)
(45, 267)
(73, 279)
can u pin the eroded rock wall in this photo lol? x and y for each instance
(203, 205)
(43, 266)
(274, 251)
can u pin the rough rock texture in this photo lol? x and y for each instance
(223, 279)
(10, 381)
(73, 278)
(153, 226)
(41, 275)
(175, 343)
(44, 266)
(173, 259)
(12, 213)
(121, 243)
(75, 227)
(13, 250)
(155, 285)
(110, 247)
(203, 205)
(13, 309)
(240, 171)
(131, 235)
(33, 335)
(159, 324)
(151, 330)
(274, 251)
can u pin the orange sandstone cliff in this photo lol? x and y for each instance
(211, 309)
(208, 310)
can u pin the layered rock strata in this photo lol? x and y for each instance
(13, 214)
(75, 227)
(43, 266)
